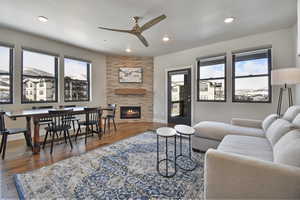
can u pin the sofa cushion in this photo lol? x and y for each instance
(277, 130)
(291, 113)
(218, 130)
(287, 149)
(296, 121)
(268, 121)
(255, 147)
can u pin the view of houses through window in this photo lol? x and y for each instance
(76, 79)
(5, 74)
(251, 76)
(39, 77)
(211, 79)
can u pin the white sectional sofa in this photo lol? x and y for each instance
(209, 134)
(252, 159)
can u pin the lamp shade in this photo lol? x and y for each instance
(289, 76)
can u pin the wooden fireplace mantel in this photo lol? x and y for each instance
(130, 91)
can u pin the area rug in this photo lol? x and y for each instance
(124, 170)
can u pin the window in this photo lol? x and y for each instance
(77, 80)
(251, 76)
(6, 63)
(39, 69)
(212, 79)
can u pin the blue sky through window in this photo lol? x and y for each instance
(76, 69)
(251, 67)
(212, 71)
(38, 61)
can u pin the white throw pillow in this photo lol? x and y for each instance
(287, 149)
(268, 121)
(291, 113)
(277, 130)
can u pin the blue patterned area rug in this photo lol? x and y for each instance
(124, 170)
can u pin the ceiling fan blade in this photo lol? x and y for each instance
(116, 30)
(143, 40)
(153, 22)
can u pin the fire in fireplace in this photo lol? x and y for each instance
(130, 112)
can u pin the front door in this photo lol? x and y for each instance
(179, 96)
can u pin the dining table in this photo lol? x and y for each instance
(34, 115)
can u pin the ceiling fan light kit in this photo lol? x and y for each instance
(137, 30)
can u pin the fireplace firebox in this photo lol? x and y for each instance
(130, 112)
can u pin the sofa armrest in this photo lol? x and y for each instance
(234, 176)
(247, 122)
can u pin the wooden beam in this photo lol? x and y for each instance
(130, 91)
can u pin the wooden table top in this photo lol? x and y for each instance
(36, 112)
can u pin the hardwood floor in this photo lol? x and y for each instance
(20, 159)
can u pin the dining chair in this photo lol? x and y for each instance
(92, 118)
(110, 116)
(5, 132)
(60, 122)
(73, 118)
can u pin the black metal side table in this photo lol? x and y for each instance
(166, 133)
(185, 131)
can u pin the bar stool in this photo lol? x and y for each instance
(5, 132)
(186, 131)
(166, 133)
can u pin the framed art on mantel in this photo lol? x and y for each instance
(130, 75)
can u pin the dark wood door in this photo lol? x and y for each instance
(179, 96)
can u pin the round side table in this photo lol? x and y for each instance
(166, 133)
(186, 131)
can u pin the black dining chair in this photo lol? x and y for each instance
(60, 123)
(5, 132)
(92, 118)
(110, 116)
(73, 118)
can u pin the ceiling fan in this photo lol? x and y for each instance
(138, 30)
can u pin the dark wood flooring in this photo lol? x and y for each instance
(20, 159)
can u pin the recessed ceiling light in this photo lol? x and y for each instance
(128, 50)
(166, 38)
(42, 19)
(229, 20)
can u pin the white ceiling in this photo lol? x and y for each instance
(189, 23)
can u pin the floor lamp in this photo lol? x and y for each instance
(285, 78)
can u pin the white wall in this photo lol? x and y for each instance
(297, 50)
(20, 39)
(297, 63)
(283, 52)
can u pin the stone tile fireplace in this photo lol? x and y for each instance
(129, 96)
(130, 112)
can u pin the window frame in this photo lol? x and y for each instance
(46, 77)
(10, 72)
(88, 68)
(207, 79)
(269, 57)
